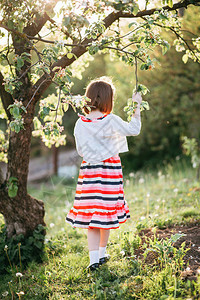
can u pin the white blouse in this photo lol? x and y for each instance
(101, 138)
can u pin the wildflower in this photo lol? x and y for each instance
(178, 157)
(142, 218)
(127, 182)
(131, 174)
(188, 194)
(176, 190)
(122, 252)
(52, 225)
(6, 247)
(19, 274)
(20, 293)
(148, 195)
(180, 199)
(141, 180)
(5, 294)
(194, 165)
(157, 207)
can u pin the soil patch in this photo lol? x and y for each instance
(192, 241)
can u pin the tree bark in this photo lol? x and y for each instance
(22, 213)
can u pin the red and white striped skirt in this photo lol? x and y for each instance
(99, 200)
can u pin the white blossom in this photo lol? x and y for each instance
(141, 180)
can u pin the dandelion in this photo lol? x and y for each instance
(122, 252)
(18, 274)
(142, 218)
(180, 199)
(5, 294)
(148, 195)
(131, 174)
(188, 194)
(6, 247)
(157, 207)
(175, 190)
(141, 180)
(185, 180)
(52, 225)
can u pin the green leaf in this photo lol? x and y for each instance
(185, 58)
(65, 106)
(12, 187)
(20, 62)
(15, 112)
(70, 55)
(170, 3)
(144, 106)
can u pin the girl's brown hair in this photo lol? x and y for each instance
(101, 93)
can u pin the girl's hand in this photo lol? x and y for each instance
(137, 98)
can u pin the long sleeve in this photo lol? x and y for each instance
(124, 128)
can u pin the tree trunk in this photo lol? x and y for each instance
(22, 213)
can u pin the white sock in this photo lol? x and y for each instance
(94, 257)
(102, 252)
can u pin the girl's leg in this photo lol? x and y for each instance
(93, 245)
(104, 236)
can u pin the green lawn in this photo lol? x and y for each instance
(156, 200)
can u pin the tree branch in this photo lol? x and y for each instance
(6, 97)
(42, 84)
(35, 27)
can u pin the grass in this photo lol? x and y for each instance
(158, 200)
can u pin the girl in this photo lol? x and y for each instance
(99, 201)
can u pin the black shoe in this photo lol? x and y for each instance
(104, 259)
(93, 267)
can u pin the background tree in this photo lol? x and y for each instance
(27, 71)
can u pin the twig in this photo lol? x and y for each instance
(136, 76)
(49, 42)
(180, 37)
(58, 104)
(36, 91)
(121, 50)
